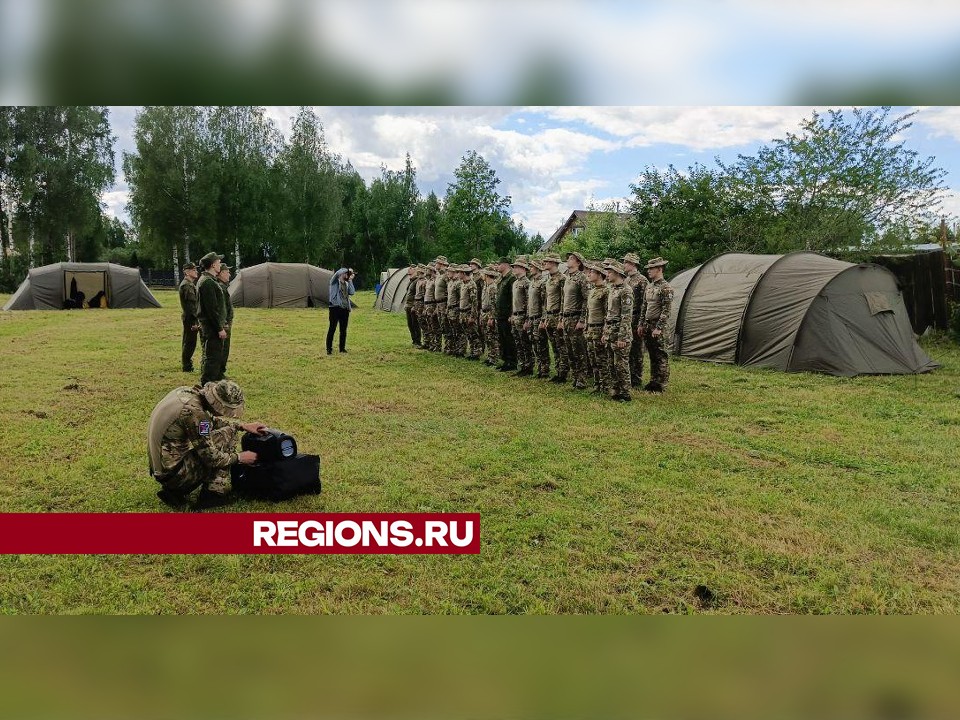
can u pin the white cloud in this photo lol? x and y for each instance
(546, 207)
(942, 121)
(951, 205)
(115, 202)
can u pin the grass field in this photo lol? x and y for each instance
(782, 493)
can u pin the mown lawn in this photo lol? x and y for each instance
(780, 493)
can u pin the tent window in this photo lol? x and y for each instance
(878, 302)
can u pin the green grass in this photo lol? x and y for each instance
(782, 493)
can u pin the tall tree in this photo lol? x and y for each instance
(392, 215)
(474, 213)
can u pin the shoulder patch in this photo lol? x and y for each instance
(204, 427)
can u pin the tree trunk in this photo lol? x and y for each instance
(186, 247)
(236, 255)
(176, 266)
(30, 247)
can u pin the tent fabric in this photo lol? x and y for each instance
(796, 312)
(393, 292)
(281, 285)
(46, 287)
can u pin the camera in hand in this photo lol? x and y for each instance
(280, 472)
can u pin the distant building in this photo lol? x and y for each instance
(575, 224)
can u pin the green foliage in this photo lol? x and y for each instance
(476, 220)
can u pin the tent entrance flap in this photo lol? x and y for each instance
(86, 282)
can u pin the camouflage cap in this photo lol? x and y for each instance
(536, 264)
(503, 260)
(225, 397)
(553, 259)
(209, 259)
(476, 262)
(632, 258)
(466, 268)
(595, 266)
(578, 256)
(442, 260)
(224, 266)
(490, 272)
(189, 266)
(431, 265)
(616, 267)
(520, 262)
(657, 262)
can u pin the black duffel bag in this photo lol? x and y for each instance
(279, 480)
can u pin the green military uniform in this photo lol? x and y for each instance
(536, 301)
(618, 328)
(440, 300)
(503, 310)
(518, 318)
(428, 322)
(470, 316)
(576, 289)
(655, 314)
(419, 292)
(453, 317)
(228, 305)
(192, 437)
(212, 314)
(638, 282)
(596, 347)
(478, 282)
(488, 323)
(552, 306)
(408, 300)
(188, 314)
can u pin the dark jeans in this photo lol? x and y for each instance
(508, 349)
(188, 346)
(413, 325)
(338, 316)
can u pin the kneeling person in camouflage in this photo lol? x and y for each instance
(191, 442)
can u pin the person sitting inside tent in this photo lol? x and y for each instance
(99, 300)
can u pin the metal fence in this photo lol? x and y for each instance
(158, 278)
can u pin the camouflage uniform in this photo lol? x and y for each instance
(419, 291)
(408, 299)
(553, 303)
(188, 307)
(453, 318)
(596, 347)
(521, 339)
(488, 317)
(440, 303)
(192, 437)
(539, 344)
(428, 321)
(470, 318)
(655, 312)
(619, 328)
(212, 314)
(638, 282)
(228, 304)
(576, 289)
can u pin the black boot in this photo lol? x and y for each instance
(207, 499)
(172, 498)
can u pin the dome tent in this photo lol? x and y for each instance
(49, 286)
(393, 291)
(796, 312)
(288, 285)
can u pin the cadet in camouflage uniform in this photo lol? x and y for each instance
(420, 288)
(223, 277)
(596, 318)
(503, 310)
(477, 277)
(453, 313)
(637, 281)
(618, 332)
(551, 323)
(212, 314)
(655, 312)
(440, 301)
(576, 289)
(518, 318)
(469, 314)
(191, 442)
(537, 334)
(188, 313)
(488, 320)
(412, 325)
(428, 321)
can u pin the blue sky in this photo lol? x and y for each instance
(553, 160)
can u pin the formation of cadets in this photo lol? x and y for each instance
(592, 323)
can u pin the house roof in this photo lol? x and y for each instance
(577, 215)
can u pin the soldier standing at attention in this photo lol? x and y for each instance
(427, 321)
(618, 332)
(636, 280)
(453, 311)
(488, 321)
(408, 298)
(518, 318)
(188, 313)
(470, 314)
(596, 318)
(536, 334)
(440, 301)
(223, 277)
(657, 301)
(576, 289)
(504, 309)
(212, 314)
(477, 277)
(551, 323)
(420, 289)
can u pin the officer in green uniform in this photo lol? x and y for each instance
(212, 314)
(521, 340)
(488, 320)
(440, 301)
(503, 308)
(618, 331)
(223, 277)
(636, 280)
(188, 313)
(552, 320)
(537, 334)
(596, 318)
(576, 289)
(654, 316)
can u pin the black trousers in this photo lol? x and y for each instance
(508, 349)
(338, 316)
(413, 325)
(188, 345)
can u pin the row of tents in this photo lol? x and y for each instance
(794, 312)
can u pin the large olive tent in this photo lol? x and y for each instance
(281, 285)
(795, 312)
(53, 287)
(392, 292)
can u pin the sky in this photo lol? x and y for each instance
(554, 160)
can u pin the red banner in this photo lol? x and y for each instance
(239, 533)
